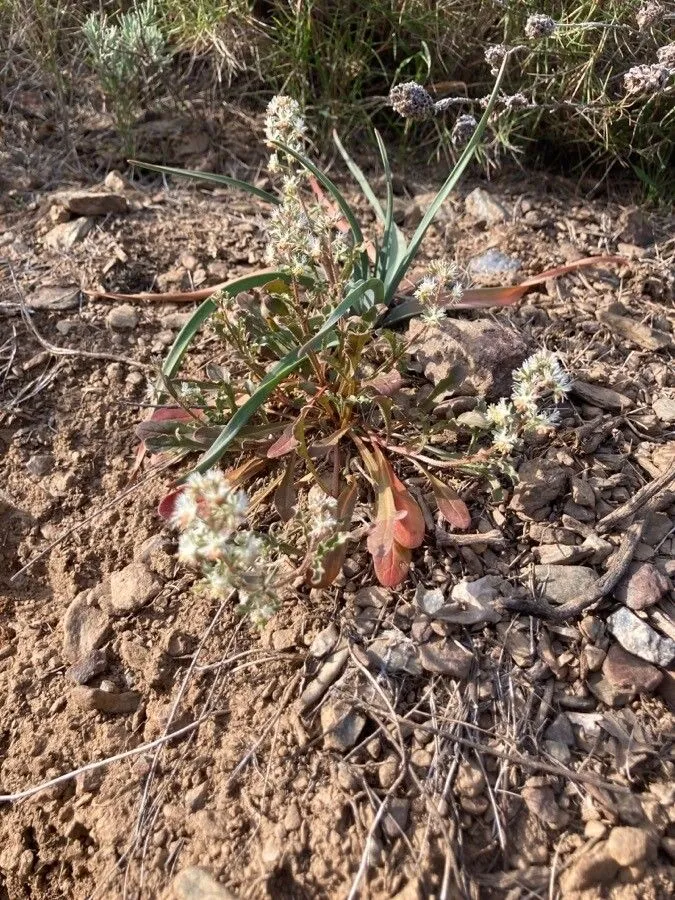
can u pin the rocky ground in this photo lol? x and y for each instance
(458, 737)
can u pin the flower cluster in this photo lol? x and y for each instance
(494, 57)
(438, 290)
(209, 515)
(463, 129)
(411, 101)
(666, 56)
(293, 240)
(322, 529)
(284, 124)
(649, 14)
(647, 79)
(539, 26)
(540, 378)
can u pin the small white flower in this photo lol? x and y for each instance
(504, 440)
(427, 290)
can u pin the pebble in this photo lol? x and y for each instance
(131, 588)
(596, 867)
(396, 816)
(493, 264)
(641, 639)
(631, 846)
(477, 601)
(560, 730)
(85, 628)
(284, 639)
(561, 554)
(40, 464)
(387, 772)
(664, 408)
(470, 781)
(93, 203)
(642, 587)
(391, 651)
(560, 584)
(324, 642)
(484, 208)
(540, 483)
(195, 798)
(105, 701)
(341, 725)
(292, 819)
(195, 883)
(65, 235)
(609, 693)
(94, 663)
(443, 658)
(582, 493)
(624, 670)
(54, 298)
(122, 318)
(540, 801)
(594, 657)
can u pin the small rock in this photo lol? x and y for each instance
(628, 672)
(324, 641)
(440, 656)
(196, 883)
(664, 408)
(476, 600)
(540, 801)
(292, 819)
(67, 234)
(40, 464)
(372, 596)
(519, 646)
(641, 639)
(470, 781)
(484, 208)
(54, 298)
(131, 588)
(594, 657)
(341, 725)
(597, 867)
(93, 203)
(387, 772)
(195, 798)
(631, 846)
(635, 332)
(558, 750)
(392, 651)
(561, 554)
(642, 587)
(493, 265)
(105, 701)
(116, 182)
(608, 693)
(180, 643)
(560, 730)
(667, 690)
(560, 584)
(396, 816)
(283, 639)
(85, 628)
(478, 355)
(540, 482)
(94, 663)
(582, 493)
(122, 318)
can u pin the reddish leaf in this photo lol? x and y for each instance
(387, 384)
(392, 567)
(450, 505)
(408, 529)
(334, 559)
(167, 504)
(286, 442)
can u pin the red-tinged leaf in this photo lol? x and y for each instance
(324, 447)
(334, 559)
(167, 504)
(285, 443)
(387, 384)
(450, 505)
(284, 495)
(392, 567)
(408, 529)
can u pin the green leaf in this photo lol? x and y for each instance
(337, 195)
(393, 242)
(207, 308)
(284, 368)
(211, 177)
(397, 274)
(361, 179)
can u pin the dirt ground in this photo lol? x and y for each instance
(522, 758)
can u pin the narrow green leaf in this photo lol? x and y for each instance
(361, 179)
(452, 180)
(393, 242)
(284, 368)
(337, 195)
(207, 308)
(210, 177)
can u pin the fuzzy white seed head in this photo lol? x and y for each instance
(539, 26)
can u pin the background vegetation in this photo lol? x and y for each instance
(339, 58)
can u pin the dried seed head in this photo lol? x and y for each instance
(463, 129)
(646, 79)
(516, 101)
(539, 26)
(649, 14)
(666, 56)
(494, 56)
(411, 101)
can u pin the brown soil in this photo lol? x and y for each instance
(253, 794)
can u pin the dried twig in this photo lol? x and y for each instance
(630, 507)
